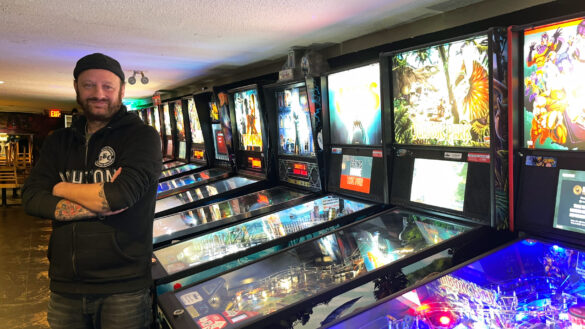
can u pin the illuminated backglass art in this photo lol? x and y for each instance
(213, 111)
(355, 106)
(554, 94)
(441, 94)
(356, 173)
(294, 123)
(247, 108)
(194, 124)
(167, 119)
(156, 119)
(179, 122)
(149, 117)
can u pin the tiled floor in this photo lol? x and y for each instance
(24, 283)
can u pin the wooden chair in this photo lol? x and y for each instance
(8, 179)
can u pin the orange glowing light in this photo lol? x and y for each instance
(300, 166)
(255, 162)
(54, 113)
(198, 154)
(262, 198)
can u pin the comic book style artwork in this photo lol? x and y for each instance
(179, 122)
(247, 109)
(554, 64)
(294, 123)
(195, 125)
(355, 110)
(441, 94)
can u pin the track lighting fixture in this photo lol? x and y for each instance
(132, 79)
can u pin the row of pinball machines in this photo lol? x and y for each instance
(423, 130)
(207, 238)
(536, 280)
(183, 147)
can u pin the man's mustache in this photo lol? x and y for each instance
(95, 99)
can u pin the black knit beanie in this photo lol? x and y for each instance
(98, 61)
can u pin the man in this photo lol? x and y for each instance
(97, 180)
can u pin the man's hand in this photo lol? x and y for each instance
(110, 213)
(89, 196)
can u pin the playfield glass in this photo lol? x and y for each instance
(439, 183)
(295, 133)
(254, 232)
(201, 192)
(179, 170)
(190, 180)
(355, 111)
(194, 124)
(311, 268)
(441, 94)
(554, 94)
(248, 120)
(528, 284)
(209, 216)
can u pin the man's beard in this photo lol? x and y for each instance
(113, 107)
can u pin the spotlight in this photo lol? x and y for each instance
(132, 79)
(144, 79)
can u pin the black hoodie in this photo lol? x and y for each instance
(111, 254)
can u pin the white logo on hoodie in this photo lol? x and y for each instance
(106, 157)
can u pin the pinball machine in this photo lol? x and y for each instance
(191, 150)
(438, 189)
(242, 170)
(535, 281)
(270, 218)
(168, 141)
(152, 118)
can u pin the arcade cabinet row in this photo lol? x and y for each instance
(422, 129)
(537, 280)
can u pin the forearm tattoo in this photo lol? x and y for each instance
(103, 200)
(68, 211)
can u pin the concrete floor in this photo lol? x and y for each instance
(24, 282)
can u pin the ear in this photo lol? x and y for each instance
(122, 91)
(75, 86)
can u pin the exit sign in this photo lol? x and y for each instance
(54, 113)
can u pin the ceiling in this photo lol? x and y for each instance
(174, 41)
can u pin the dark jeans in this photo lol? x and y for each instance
(128, 310)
